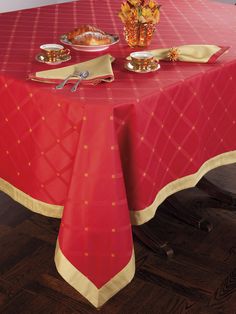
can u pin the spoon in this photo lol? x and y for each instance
(62, 84)
(82, 76)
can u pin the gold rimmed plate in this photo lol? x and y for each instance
(41, 58)
(154, 66)
(91, 48)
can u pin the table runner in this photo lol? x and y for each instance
(107, 157)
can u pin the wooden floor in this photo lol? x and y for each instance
(199, 279)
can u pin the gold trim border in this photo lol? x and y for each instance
(85, 287)
(49, 210)
(144, 215)
(72, 275)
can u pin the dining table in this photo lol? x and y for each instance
(107, 156)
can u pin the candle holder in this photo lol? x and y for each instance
(139, 34)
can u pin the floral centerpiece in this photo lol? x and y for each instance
(140, 18)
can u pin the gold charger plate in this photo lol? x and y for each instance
(152, 68)
(41, 58)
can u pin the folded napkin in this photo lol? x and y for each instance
(100, 70)
(190, 53)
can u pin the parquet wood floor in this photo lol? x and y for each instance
(199, 279)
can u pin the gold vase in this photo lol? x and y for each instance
(139, 34)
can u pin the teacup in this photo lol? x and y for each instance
(53, 52)
(141, 60)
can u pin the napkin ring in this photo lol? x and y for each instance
(173, 54)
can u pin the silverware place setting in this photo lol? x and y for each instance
(63, 83)
(81, 75)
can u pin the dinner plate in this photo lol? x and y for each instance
(152, 68)
(90, 48)
(41, 58)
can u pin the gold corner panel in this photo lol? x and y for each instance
(85, 287)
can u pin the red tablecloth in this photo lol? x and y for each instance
(108, 155)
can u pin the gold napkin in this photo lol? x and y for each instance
(190, 53)
(100, 70)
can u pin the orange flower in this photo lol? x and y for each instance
(147, 15)
(134, 2)
(156, 15)
(125, 8)
(143, 11)
(152, 4)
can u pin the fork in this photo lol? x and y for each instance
(62, 84)
(83, 75)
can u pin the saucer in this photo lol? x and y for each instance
(41, 58)
(154, 66)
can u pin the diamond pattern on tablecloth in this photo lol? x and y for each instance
(27, 122)
(165, 124)
(180, 133)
